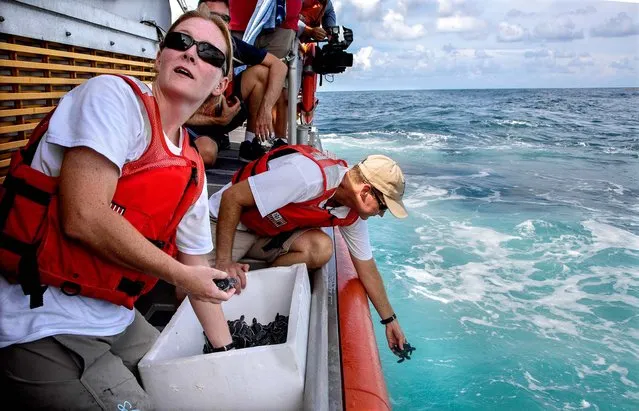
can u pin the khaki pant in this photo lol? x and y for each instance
(247, 244)
(77, 372)
(276, 41)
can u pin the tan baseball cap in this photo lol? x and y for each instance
(385, 175)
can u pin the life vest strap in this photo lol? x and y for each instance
(30, 277)
(130, 287)
(24, 189)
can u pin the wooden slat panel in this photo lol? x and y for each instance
(17, 127)
(31, 88)
(13, 144)
(40, 80)
(31, 96)
(25, 111)
(64, 67)
(79, 56)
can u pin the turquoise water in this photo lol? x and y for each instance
(516, 275)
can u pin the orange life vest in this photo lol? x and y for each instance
(295, 215)
(312, 13)
(153, 194)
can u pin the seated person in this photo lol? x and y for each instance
(282, 215)
(251, 96)
(279, 41)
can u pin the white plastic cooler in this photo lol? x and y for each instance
(179, 377)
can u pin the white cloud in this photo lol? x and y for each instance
(460, 24)
(481, 54)
(581, 12)
(424, 43)
(564, 54)
(583, 60)
(337, 6)
(366, 8)
(515, 13)
(448, 48)
(362, 59)
(409, 5)
(448, 8)
(396, 28)
(619, 26)
(623, 64)
(537, 54)
(510, 33)
(560, 29)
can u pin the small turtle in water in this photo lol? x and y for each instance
(405, 353)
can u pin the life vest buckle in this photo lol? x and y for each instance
(70, 289)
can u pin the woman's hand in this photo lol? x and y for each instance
(198, 283)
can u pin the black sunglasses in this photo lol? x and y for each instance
(378, 196)
(206, 51)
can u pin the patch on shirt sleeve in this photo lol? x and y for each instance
(276, 219)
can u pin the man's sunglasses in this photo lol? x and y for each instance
(225, 17)
(206, 51)
(378, 196)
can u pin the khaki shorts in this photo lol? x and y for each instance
(278, 41)
(250, 245)
(78, 371)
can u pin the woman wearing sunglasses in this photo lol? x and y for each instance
(128, 194)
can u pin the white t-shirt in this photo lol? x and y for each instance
(295, 178)
(105, 115)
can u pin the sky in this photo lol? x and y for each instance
(460, 44)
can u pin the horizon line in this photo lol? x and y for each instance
(486, 88)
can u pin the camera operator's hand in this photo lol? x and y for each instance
(318, 33)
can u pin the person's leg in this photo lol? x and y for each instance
(310, 246)
(207, 147)
(277, 42)
(280, 123)
(134, 343)
(243, 241)
(253, 87)
(69, 372)
(313, 247)
(44, 375)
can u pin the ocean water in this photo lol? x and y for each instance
(516, 274)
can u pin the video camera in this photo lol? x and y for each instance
(331, 58)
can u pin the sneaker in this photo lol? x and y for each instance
(251, 150)
(279, 143)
